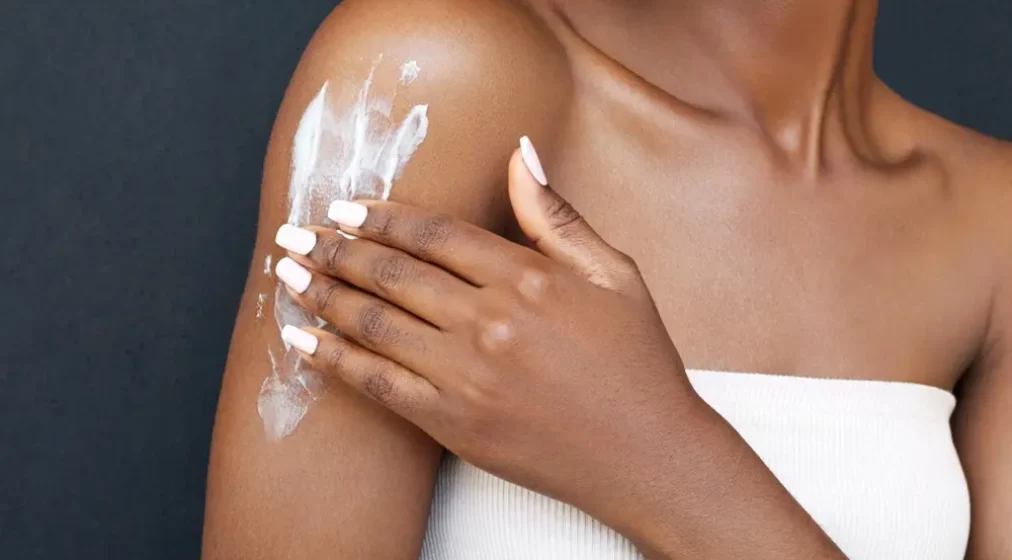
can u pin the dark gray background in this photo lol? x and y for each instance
(132, 139)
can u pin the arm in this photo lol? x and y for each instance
(981, 429)
(514, 371)
(354, 480)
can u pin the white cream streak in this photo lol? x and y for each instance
(409, 72)
(282, 404)
(357, 154)
(261, 300)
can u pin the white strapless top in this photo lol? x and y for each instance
(872, 462)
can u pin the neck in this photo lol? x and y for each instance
(790, 67)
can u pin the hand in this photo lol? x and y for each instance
(548, 368)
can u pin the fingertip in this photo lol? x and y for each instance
(347, 213)
(525, 196)
(295, 239)
(300, 339)
(296, 277)
(532, 161)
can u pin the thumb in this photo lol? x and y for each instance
(557, 229)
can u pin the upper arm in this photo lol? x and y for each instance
(353, 480)
(981, 430)
(984, 416)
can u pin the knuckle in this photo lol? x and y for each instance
(374, 324)
(389, 273)
(627, 274)
(560, 214)
(431, 234)
(534, 284)
(326, 297)
(332, 250)
(472, 395)
(404, 402)
(626, 263)
(378, 384)
(619, 272)
(336, 355)
(497, 336)
(383, 223)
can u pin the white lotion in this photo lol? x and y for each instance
(282, 403)
(409, 72)
(358, 153)
(261, 300)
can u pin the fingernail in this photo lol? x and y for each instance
(531, 160)
(295, 239)
(293, 274)
(300, 339)
(349, 214)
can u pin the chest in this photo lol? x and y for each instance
(850, 272)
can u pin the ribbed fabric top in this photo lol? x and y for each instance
(873, 462)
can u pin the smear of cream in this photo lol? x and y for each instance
(358, 153)
(282, 403)
(261, 300)
(409, 72)
(267, 266)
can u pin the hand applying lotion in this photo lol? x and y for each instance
(498, 352)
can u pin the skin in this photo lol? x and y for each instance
(799, 219)
(482, 342)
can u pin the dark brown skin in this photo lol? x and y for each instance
(788, 213)
(483, 343)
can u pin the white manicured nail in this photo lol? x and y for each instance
(531, 160)
(348, 214)
(295, 239)
(300, 339)
(293, 274)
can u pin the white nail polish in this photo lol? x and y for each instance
(348, 214)
(300, 339)
(295, 239)
(293, 274)
(531, 160)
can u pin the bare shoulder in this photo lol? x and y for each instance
(983, 167)
(980, 176)
(976, 161)
(977, 167)
(428, 98)
(498, 52)
(487, 71)
(974, 171)
(983, 162)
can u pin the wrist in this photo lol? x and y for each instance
(662, 494)
(703, 493)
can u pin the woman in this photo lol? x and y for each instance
(786, 212)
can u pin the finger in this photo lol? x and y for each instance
(557, 229)
(425, 290)
(472, 253)
(383, 380)
(366, 319)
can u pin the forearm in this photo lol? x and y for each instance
(706, 494)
